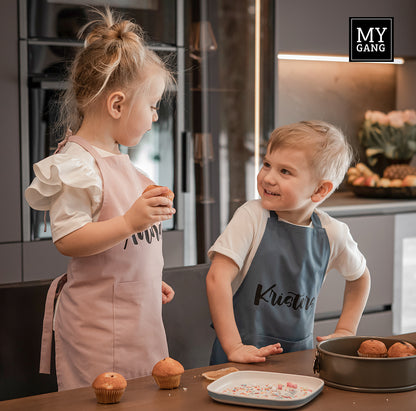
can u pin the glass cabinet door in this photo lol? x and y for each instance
(231, 50)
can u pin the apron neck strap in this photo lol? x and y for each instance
(273, 214)
(316, 222)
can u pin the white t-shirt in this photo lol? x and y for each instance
(243, 234)
(69, 185)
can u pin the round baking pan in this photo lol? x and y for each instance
(339, 365)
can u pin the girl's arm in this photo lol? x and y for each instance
(96, 237)
(355, 297)
(220, 298)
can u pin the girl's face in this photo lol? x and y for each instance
(140, 113)
(286, 183)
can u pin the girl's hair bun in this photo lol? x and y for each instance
(115, 56)
(125, 30)
(111, 27)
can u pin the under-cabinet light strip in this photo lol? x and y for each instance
(342, 59)
(257, 93)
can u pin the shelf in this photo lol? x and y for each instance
(48, 41)
(344, 204)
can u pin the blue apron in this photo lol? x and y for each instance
(276, 301)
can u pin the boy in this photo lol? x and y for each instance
(269, 264)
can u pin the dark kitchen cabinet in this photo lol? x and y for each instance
(322, 26)
(10, 204)
(10, 230)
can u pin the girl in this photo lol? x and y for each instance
(108, 315)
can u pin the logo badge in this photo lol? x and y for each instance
(371, 39)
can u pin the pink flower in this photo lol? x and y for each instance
(376, 117)
(410, 116)
(396, 118)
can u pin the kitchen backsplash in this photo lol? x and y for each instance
(339, 93)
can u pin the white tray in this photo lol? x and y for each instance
(261, 378)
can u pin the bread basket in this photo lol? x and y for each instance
(338, 364)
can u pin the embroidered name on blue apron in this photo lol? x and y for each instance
(291, 299)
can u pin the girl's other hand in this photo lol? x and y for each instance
(151, 207)
(249, 353)
(167, 293)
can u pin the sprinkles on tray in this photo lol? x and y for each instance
(279, 391)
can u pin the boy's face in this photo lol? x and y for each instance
(286, 183)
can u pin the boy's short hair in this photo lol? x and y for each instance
(331, 154)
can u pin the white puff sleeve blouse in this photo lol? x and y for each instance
(69, 185)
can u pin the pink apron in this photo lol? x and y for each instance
(109, 316)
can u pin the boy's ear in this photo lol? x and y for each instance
(115, 102)
(323, 189)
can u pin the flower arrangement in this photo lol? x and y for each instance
(392, 135)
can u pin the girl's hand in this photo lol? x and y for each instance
(341, 333)
(151, 207)
(249, 353)
(167, 293)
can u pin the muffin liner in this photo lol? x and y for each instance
(105, 396)
(168, 383)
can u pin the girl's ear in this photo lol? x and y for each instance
(323, 189)
(115, 102)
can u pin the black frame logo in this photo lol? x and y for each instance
(371, 39)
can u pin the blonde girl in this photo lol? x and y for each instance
(105, 313)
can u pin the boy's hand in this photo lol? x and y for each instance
(249, 353)
(341, 333)
(167, 293)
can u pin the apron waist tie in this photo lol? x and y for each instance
(47, 331)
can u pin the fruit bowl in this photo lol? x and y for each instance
(384, 192)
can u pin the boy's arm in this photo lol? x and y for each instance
(355, 297)
(222, 272)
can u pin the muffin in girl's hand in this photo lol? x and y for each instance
(168, 194)
(109, 387)
(167, 373)
(372, 349)
(401, 349)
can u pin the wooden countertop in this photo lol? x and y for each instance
(144, 394)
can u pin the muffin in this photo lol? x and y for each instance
(167, 373)
(372, 349)
(109, 387)
(401, 349)
(169, 194)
